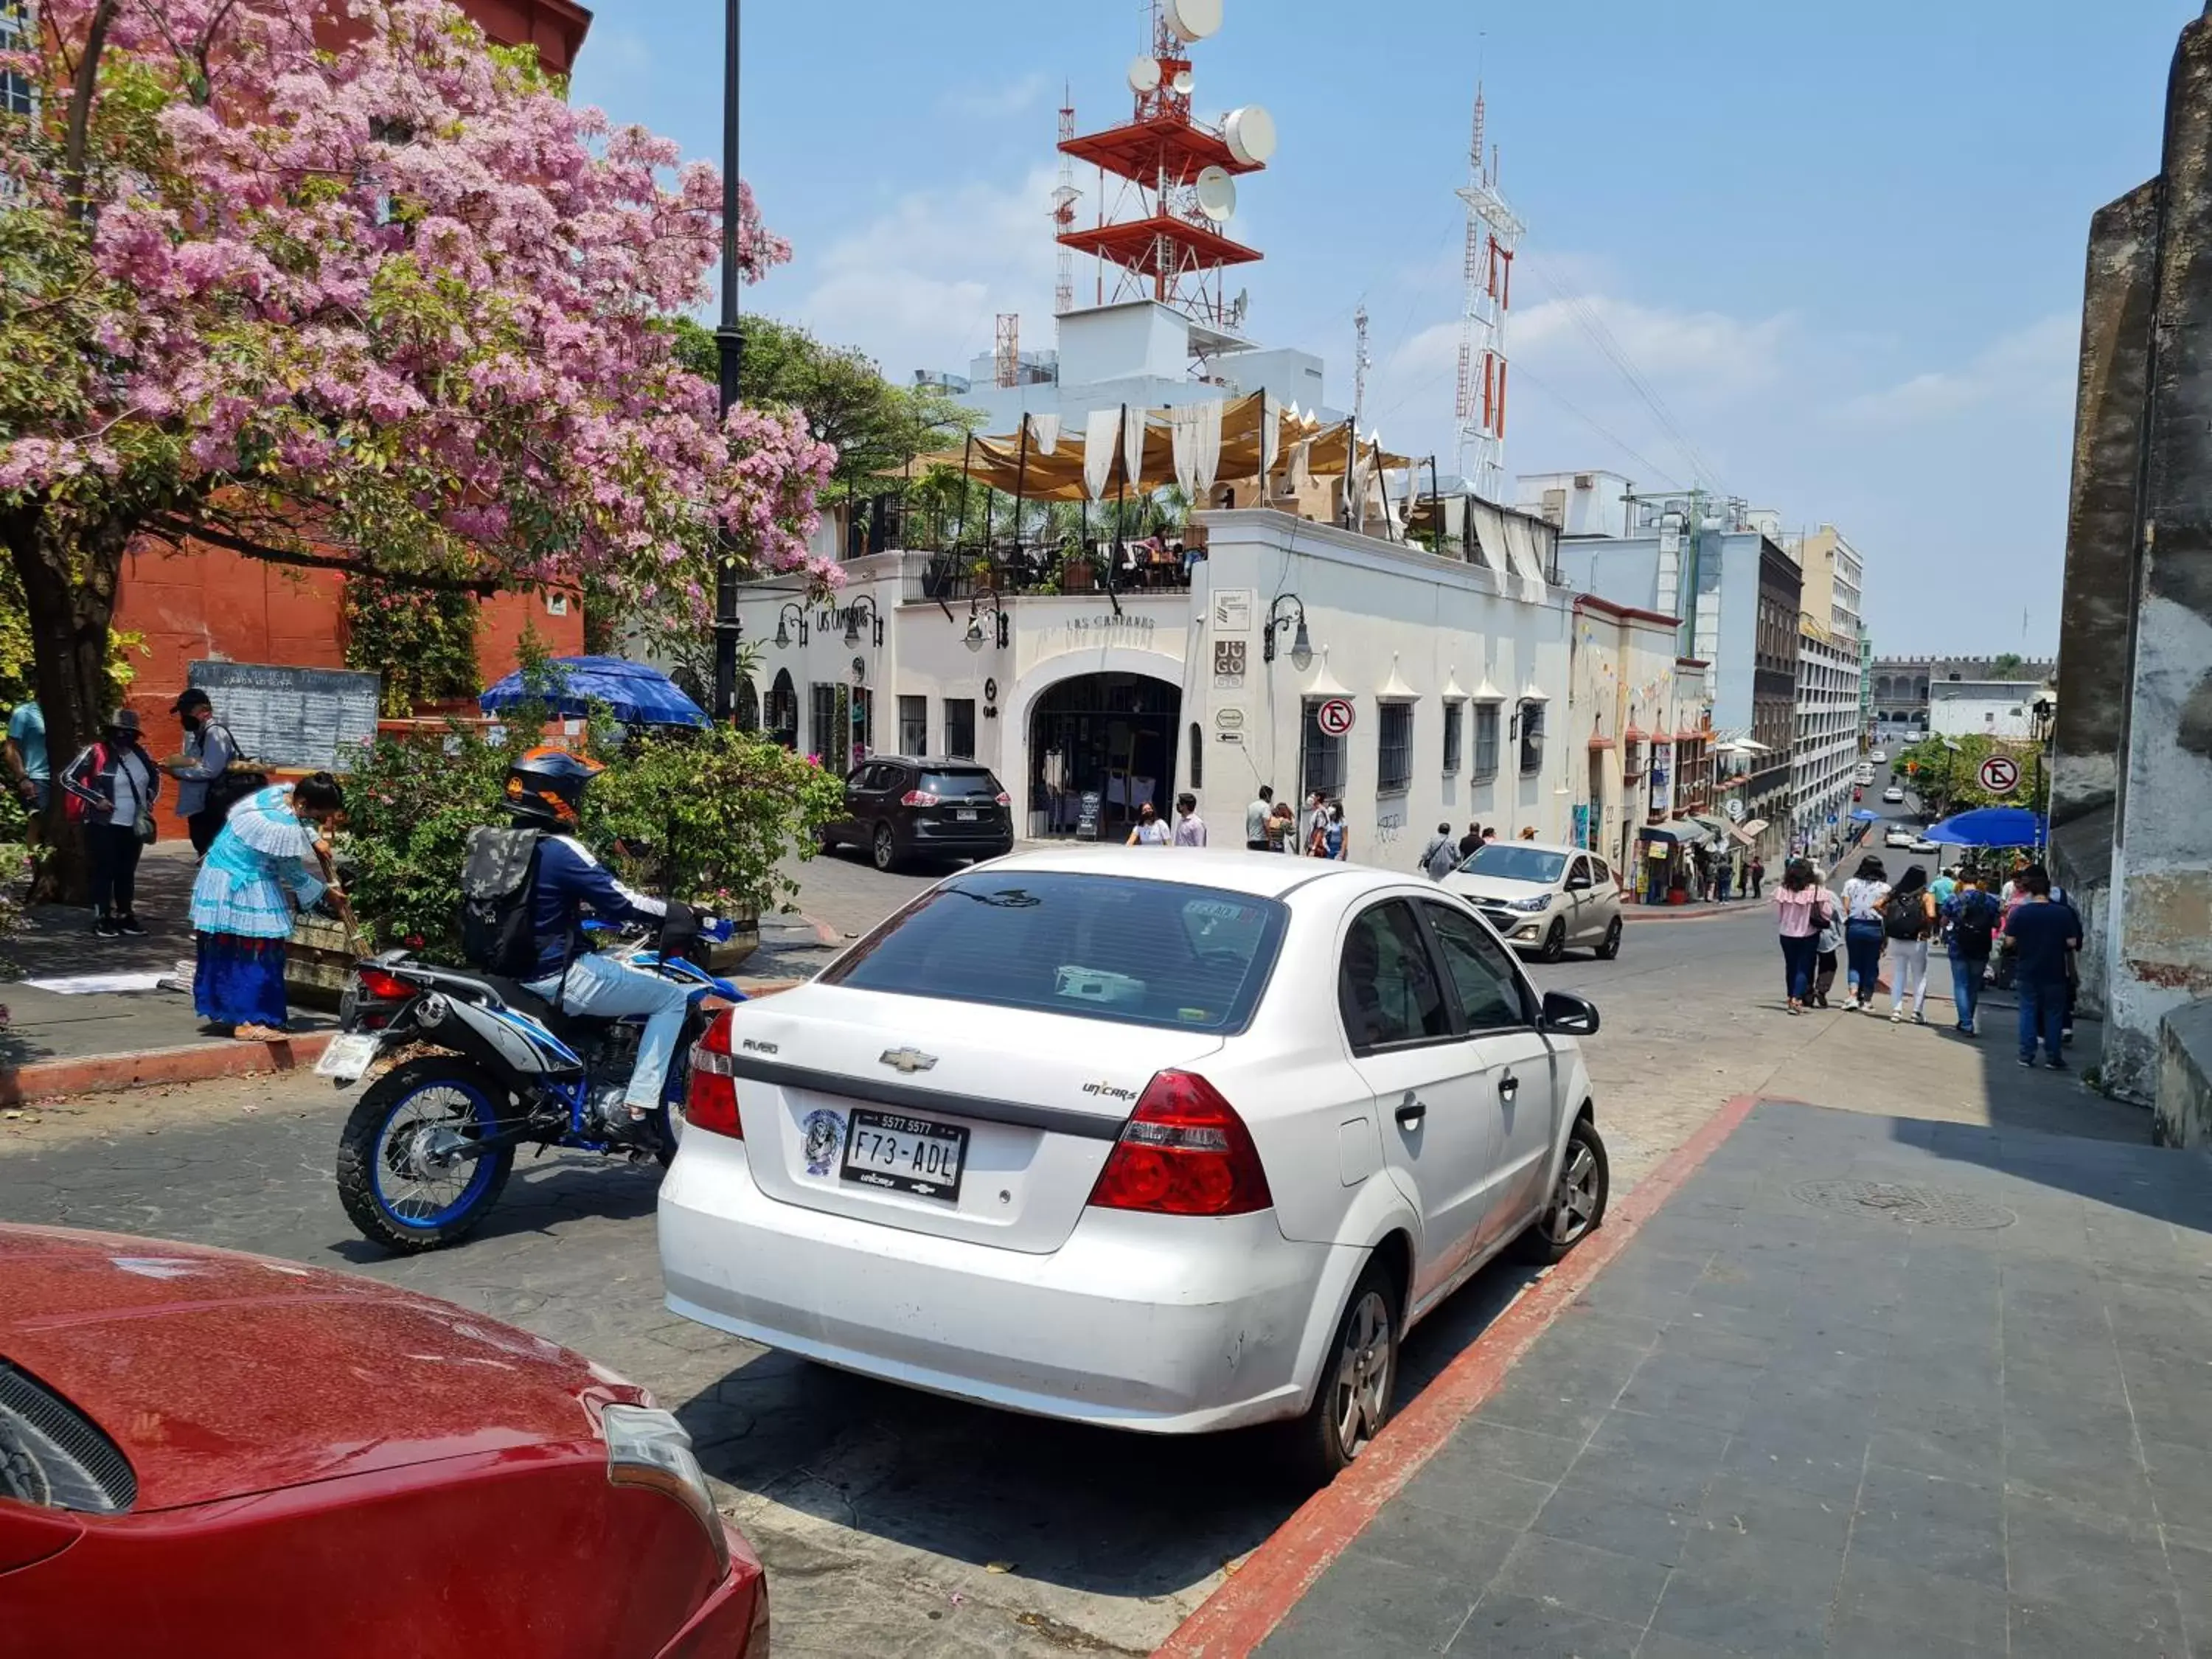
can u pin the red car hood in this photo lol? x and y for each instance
(220, 1374)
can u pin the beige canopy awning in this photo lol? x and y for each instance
(1006, 463)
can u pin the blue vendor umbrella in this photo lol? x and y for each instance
(1862, 816)
(1990, 826)
(636, 694)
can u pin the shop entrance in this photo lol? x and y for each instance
(1111, 737)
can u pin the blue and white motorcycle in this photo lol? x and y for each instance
(484, 1067)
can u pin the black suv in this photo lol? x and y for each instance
(900, 809)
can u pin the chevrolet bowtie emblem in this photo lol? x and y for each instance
(909, 1061)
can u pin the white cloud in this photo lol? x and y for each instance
(920, 285)
(1000, 102)
(2033, 365)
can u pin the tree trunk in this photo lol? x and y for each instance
(69, 591)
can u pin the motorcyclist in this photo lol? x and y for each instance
(545, 792)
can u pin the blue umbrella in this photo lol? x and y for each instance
(1990, 826)
(1862, 816)
(637, 694)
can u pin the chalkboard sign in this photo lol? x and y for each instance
(1086, 821)
(313, 720)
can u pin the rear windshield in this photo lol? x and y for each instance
(960, 785)
(1101, 947)
(1517, 863)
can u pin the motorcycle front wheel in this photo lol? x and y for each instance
(404, 1172)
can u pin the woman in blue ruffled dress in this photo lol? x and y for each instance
(263, 861)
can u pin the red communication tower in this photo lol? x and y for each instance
(1177, 174)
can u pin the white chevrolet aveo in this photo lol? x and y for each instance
(1164, 1141)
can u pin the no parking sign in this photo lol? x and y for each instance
(1335, 717)
(2000, 774)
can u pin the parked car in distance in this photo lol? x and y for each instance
(1166, 1144)
(1900, 836)
(1894, 795)
(211, 1455)
(1543, 898)
(1922, 844)
(1877, 756)
(901, 809)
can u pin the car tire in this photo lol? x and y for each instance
(829, 843)
(884, 849)
(1576, 1207)
(1555, 942)
(1352, 1400)
(1610, 948)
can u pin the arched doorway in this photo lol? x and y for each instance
(782, 712)
(747, 712)
(1109, 736)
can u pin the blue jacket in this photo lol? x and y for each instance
(569, 879)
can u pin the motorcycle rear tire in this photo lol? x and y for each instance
(364, 1130)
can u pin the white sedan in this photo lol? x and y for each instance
(1901, 837)
(1158, 1140)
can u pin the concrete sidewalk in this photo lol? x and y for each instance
(1866, 1385)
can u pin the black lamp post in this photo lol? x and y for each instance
(987, 604)
(853, 621)
(2045, 714)
(731, 351)
(1301, 644)
(783, 620)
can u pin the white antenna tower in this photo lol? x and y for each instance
(1494, 236)
(1063, 207)
(1362, 361)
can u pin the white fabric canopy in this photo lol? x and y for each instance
(1045, 429)
(1099, 429)
(1196, 432)
(1132, 447)
(1271, 436)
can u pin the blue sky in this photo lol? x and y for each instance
(1844, 246)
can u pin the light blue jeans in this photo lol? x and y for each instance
(599, 988)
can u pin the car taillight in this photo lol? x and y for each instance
(377, 985)
(920, 797)
(1003, 799)
(1183, 1151)
(710, 1100)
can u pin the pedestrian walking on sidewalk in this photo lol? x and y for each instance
(1723, 875)
(1257, 817)
(1758, 873)
(1471, 842)
(1908, 921)
(28, 772)
(1189, 828)
(1441, 856)
(2042, 937)
(1149, 831)
(1974, 918)
(262, 862)
(115, 783)
(1283, 829)
(1864, 894)
(1828, 949)
(1796, 905)
(208, 751)
(1335, 844)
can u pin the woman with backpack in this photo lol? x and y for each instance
(112, 786)
(1908, 922)
(263, 861)
(1864, 894)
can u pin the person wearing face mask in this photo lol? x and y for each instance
(208, 751)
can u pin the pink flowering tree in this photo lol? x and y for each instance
(342, 287)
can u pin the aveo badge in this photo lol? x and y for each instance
(825, 1135)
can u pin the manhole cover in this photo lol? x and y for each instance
(1928, 1206)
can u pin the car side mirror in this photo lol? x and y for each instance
(1579, 884)
(1566, 1014)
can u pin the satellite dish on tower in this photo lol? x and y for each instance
(1193, 20)
(1144, 75)
(1184, 81)
(1251, 135)
(1217, 195)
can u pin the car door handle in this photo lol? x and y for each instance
(1508, 1087)
(1411, 1111)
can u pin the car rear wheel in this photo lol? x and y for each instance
(884, 848)
(1352, 1401)
(1611, 948)
(1555, 941)
(1577, 1205)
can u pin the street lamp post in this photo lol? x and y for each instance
(731, 353)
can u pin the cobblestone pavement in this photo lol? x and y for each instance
(894, 1522)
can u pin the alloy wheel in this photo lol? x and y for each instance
(1362, 1389)
(886, 849)
(1574, 1200)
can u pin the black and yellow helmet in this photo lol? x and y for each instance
(546, 788)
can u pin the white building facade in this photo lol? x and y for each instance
(1640, 718)
(1984, 709)
(1417, 690)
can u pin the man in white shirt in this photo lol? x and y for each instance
(1190, 828)
(1255, 819)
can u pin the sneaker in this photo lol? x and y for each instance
(131, 925)
(2059, 1065)
(2028, 1060)
(1897, 1017)
(1919, 1018)
(103, 928)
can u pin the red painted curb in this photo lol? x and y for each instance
(1240, 1615)
(198, 1063)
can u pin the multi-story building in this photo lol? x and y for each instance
(1716, 565)
(2004, 709)
(1901, 686)
(1643, 718)
(1831, 688)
